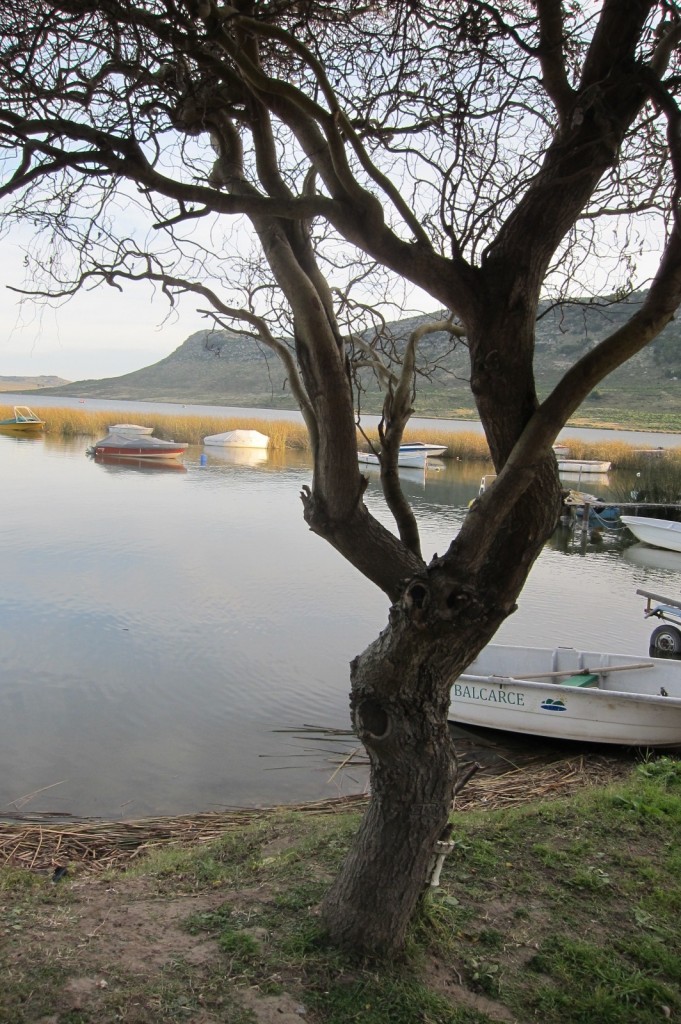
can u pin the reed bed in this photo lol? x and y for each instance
(621, 454)
(94, 846)
(60, 422)
(462, 445)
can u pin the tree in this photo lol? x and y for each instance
(484, 153)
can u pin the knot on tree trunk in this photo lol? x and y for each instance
(416, 600)
(441, 597)
(372, 721)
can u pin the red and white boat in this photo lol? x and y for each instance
(129, 441)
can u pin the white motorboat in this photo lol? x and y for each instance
(410, 460)
(127, 441)
(660, 533)
(431, 450)
(564, 693)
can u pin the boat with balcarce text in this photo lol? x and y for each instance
(568, 694)
(128, 441)
(24, 421)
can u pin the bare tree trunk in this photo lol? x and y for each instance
(400, 702)
(372, 900)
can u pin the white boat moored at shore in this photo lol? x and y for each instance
(566, 694)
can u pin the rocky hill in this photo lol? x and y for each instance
(23, 384)
(222, 368)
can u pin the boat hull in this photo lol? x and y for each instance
(582, 466)
(139, 451)
(628, 702)
(659, 533)
(11, 426)
(407, 460)
(24, 421)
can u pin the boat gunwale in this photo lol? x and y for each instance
(557, 687)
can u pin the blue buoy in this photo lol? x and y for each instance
(204, 459)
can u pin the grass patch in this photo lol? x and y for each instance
(563, 911)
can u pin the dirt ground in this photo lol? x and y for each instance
(114, 944)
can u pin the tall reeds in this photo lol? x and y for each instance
(462, 445)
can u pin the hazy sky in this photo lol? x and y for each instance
(102, 333)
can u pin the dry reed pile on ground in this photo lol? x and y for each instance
(45, 844)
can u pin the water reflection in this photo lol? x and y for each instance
(653, 558)
(158, 629)
(236, 456)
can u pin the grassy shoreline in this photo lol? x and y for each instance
(559, 910)
(463, 445)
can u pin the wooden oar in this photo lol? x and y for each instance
(564, 674)
(588, 671)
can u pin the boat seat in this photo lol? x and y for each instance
(582, 679)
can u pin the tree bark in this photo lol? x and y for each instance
(400, 703)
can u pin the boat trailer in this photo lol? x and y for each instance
(665, 641)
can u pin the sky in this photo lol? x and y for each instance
(102, 333)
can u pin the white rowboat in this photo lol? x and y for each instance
(660, 533)
(566, 694)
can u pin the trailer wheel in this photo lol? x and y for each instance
(665, 642)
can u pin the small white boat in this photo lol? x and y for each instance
(431, 450)
(660, 533)
(566, 694)
(410, 460)
(238, 439)
(131, 444)
(583, 466)
(561, 451)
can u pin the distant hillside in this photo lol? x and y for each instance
(23, 384)
(222, 368)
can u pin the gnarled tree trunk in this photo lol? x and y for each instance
(400, 702)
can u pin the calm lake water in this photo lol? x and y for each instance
(167, 634)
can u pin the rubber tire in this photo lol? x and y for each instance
(665, 642)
